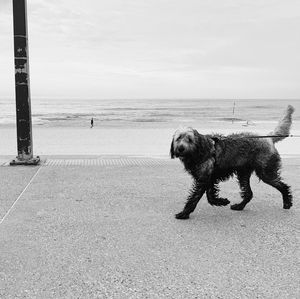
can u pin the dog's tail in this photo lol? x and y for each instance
(283, 127)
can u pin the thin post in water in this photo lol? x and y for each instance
(22, 87)
(233, 111)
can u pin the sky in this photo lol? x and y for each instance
(157, 49)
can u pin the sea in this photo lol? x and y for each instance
(133, 112)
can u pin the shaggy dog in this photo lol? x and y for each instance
(210, 159)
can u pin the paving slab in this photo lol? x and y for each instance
(12, 182)
(108, 231)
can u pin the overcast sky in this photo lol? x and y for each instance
(157, 48)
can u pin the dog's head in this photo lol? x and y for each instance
(188, 143)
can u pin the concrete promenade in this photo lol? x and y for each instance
(104, 228)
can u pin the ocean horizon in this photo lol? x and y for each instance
(78, 112)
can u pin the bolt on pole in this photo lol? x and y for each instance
(22, 86)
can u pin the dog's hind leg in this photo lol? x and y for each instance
(269, 174)
(213, 196)
(276, 182)
(195, 195)
(246, 192)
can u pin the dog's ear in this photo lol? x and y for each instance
(172, 154)
(204, 144)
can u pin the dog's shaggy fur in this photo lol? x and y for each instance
(214, 158)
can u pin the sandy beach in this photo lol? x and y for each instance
(117, 140)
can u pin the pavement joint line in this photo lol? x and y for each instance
(15, 202)
(3, 162)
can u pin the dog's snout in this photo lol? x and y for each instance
(181, 149)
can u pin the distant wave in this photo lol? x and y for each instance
(230, 119)
(261, 107)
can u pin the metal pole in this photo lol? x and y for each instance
(22, 87)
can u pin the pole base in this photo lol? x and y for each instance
(32, 161)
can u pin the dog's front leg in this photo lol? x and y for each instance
(195, 195)
(213, 198)
(202, 178)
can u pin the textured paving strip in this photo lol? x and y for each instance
(107, 162)
(119, 161)
(101, 162)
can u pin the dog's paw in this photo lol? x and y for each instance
(182, 215)
(219, 202)
(237, 207)
(224, 201)
(287, 205)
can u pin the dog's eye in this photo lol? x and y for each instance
(189, 139)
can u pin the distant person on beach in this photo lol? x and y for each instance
(92, 122)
